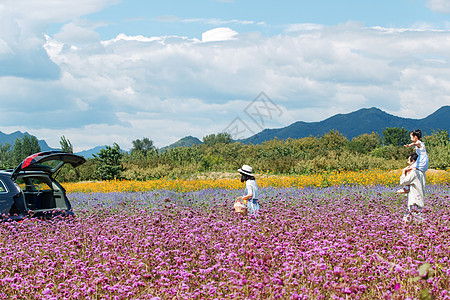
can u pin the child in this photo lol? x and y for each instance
(416, 195)
(422, 161)
(251, 189)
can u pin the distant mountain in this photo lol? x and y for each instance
(89, 153)
(366, 120)
(11, 138)
(187, 141)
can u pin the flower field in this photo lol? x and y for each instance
(371, 177)
(340, 242)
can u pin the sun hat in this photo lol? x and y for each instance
(246, 169)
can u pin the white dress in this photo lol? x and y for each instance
(422, 161)
(251, 188)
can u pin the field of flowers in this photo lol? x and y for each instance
(340, 242)
(371, 177)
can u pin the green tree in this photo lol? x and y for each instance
(438, 148)
(395, 136)
(438, 138)
(5, 156)
(66, 145)
(220, 138)
(24, 147)
(333, 140)
(144, 146)
(109, 165)
(364, 143)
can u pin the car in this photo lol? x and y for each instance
(31, 190)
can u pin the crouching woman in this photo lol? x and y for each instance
(251, 189)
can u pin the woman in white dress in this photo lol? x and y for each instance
(251, 189)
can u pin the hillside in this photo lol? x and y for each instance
(90, 152)
(187, 141)
(362, 121)
(365, 120)
(11, 138)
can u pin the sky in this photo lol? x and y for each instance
(105, 71)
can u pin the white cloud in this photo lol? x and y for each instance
(23, 24)
(167, 87)
(219, 34)
(167, 18)
(31, 11)
(440, 6)
(303, 27)
(136, 38)
(72, 33)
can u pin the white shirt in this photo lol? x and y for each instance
(416, 181)
(422, 161)
(251, 188)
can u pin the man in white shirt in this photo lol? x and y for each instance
(416, 195)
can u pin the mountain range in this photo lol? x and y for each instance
(365, 120)
(11, 138)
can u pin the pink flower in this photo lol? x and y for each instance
(46, 291)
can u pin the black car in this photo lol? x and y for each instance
(30, 190)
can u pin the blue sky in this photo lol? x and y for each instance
(268, 17)
(104, 71)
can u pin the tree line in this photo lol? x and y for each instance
(219, 153)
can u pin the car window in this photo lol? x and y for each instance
(3, 187)
(51, 163)
(33, 184)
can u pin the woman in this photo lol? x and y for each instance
(251, 189)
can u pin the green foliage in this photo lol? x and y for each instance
(438, 148)
(438, 138)
(25, 147)
(5, 156)
(109, 165)
(183, 155)
(391, 152)
(364, 143)
(213, 139)
(87, 170)
(426, 272)
(66, 145)
(395, 136)
(330, 152)
(211, 162)
(333, 140)
(440, 157)
(144, 147)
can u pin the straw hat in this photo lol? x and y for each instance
(246, 169)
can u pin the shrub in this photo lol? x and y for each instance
(391, 152)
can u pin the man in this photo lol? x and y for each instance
(416, 195)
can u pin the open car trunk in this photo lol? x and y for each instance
(42, 193)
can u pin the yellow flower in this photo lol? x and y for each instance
(370, 177)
